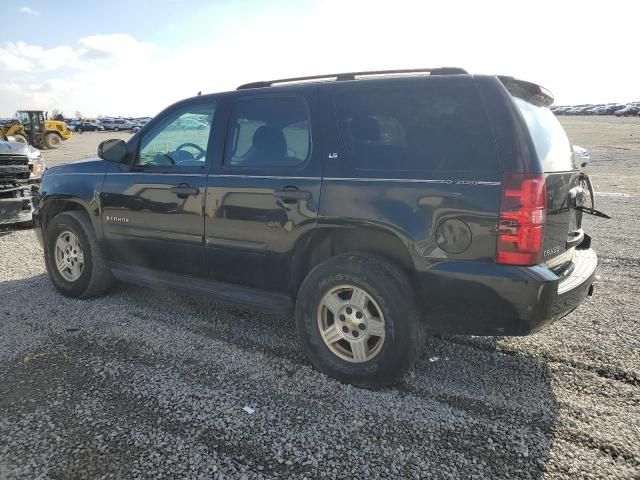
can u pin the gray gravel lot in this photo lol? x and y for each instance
(151, 384)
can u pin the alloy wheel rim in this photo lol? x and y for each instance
(69, 256)
(351, 324)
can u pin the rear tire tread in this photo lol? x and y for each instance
(396, 297)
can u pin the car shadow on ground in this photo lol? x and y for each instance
(492, 413)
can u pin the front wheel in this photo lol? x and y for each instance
(359, 320)
(52, 140)
(18, 137)
(75, 264)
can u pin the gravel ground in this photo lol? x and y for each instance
(152, 384)
(81, 145)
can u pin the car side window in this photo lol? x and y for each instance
(180, 140)
(268, 132)
(416, 129)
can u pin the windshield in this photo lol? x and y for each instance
(549, 138)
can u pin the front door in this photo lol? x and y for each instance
(153, 209)
(265, 195)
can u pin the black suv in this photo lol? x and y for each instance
(378, 205)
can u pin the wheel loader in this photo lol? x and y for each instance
(32, 128)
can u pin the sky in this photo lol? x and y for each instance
(134, 58)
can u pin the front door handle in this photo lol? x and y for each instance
(183, 190)
(291, 194)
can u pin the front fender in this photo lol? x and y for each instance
(61, 191)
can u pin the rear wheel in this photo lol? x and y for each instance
(52, 140)
(75, 264)
(358, 320)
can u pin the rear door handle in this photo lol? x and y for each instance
(183, 190)
(292, 194)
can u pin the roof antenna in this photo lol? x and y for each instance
(200, 93)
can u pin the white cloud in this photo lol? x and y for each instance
(30, 58)
(117, 74)
(23, 57)
(117, 45)
(29, 11)
(15, 63)
(90, 76)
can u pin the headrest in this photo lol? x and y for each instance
(270, 141)
(365, 129)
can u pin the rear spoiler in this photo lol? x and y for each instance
(527, 91)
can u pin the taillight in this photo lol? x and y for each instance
(522, 217)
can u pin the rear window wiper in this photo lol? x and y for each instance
(592, 211)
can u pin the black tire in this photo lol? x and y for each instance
(20, 138)
(52, 140)
(96, 277)
(391, 289)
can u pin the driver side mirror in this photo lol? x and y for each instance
(113, 150)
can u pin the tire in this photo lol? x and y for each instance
(389, 292)
(116, 129)
(52, 140)
(20, 138)
(95, 277)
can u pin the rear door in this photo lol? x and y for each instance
(265, 194)
(562, 229)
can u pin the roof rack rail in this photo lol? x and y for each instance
(338, 77)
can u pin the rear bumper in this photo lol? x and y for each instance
(474, 298)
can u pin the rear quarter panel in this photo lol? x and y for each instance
(418, 213)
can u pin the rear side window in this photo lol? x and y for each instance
(425, 128)
(549, 138)
(268, 132)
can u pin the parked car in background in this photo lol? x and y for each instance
(599, 109)
(582, 156)
(117, 124)
(189, 123)
(21, 169)
(611, 108)
(628, 111)
(88, 127)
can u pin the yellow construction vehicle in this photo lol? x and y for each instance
(32, 128)
(13, 128)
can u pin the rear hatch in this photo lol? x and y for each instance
(562, 221)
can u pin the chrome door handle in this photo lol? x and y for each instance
(291, 194)
(183, 190)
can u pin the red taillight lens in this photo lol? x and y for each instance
(522, 217)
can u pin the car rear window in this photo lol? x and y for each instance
(416, 128)
(549, 138)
